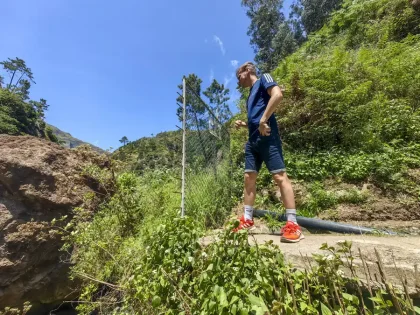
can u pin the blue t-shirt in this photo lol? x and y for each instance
(256, 105)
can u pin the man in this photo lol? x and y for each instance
(264, 145)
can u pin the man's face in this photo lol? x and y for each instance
(243, 77)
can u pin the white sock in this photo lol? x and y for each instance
(248, 214)
(291, 215)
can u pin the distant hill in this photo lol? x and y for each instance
(162, 151)
(69, 141)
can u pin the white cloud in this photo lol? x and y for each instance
(211, 75)
(228, 79)
(220, 43)
(234, 63)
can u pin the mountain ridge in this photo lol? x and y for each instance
(68, 141)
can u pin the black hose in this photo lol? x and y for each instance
(317, 224)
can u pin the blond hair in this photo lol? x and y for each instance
(247, 66)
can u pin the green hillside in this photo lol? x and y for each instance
(69, 141)
(162, 151)
(355, 83)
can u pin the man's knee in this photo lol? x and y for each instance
(280, 177)
(250, 178)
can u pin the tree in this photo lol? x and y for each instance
(295, 22)
(17, 114)
(20, 75)
(23, 89)
(40, 107)
(195, 107)
(124, 140)
(265, 18)
(314, 13)
(218, 96)
(284, 43)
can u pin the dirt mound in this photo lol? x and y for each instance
(39, 181)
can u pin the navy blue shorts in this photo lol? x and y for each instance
(267, 149)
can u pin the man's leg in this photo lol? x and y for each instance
(287, 195)
(252, 166)
(273, 157)
(250, 181)
(286, 189)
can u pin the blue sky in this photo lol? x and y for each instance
(110, 69)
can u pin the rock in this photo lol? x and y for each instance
(38, 183)
(367, 187)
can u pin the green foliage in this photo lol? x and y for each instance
(18, 115)
(318, 199)
(163, 151)
(194, 106)
(384, 168)
(314, 13)
(266, 17)
(50, 134)
(124, 140)
(20, 77)
(16, 311)
(218, 96)
(169, 271)
(354, 98)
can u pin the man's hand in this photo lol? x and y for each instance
(264, 128)
(239, 124)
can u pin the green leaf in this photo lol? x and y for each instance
(377, 300)
(253, 299)
(212, 305)
(234, 309)
(156, 301)
(303, 306)
(234, 299)
(223, 298)
(325, 310)
(347, 296)
(258, 304)
(417, 309)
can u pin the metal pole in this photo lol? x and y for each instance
(183, 147)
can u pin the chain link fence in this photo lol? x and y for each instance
(207, 160)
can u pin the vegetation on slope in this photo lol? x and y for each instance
(18, 114)
(138, 257)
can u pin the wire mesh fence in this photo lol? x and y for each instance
(207, 171)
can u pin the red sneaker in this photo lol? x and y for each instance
(291, 233)
(245, 224)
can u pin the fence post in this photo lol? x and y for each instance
(184, 128)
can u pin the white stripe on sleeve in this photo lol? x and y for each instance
(268, 78)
